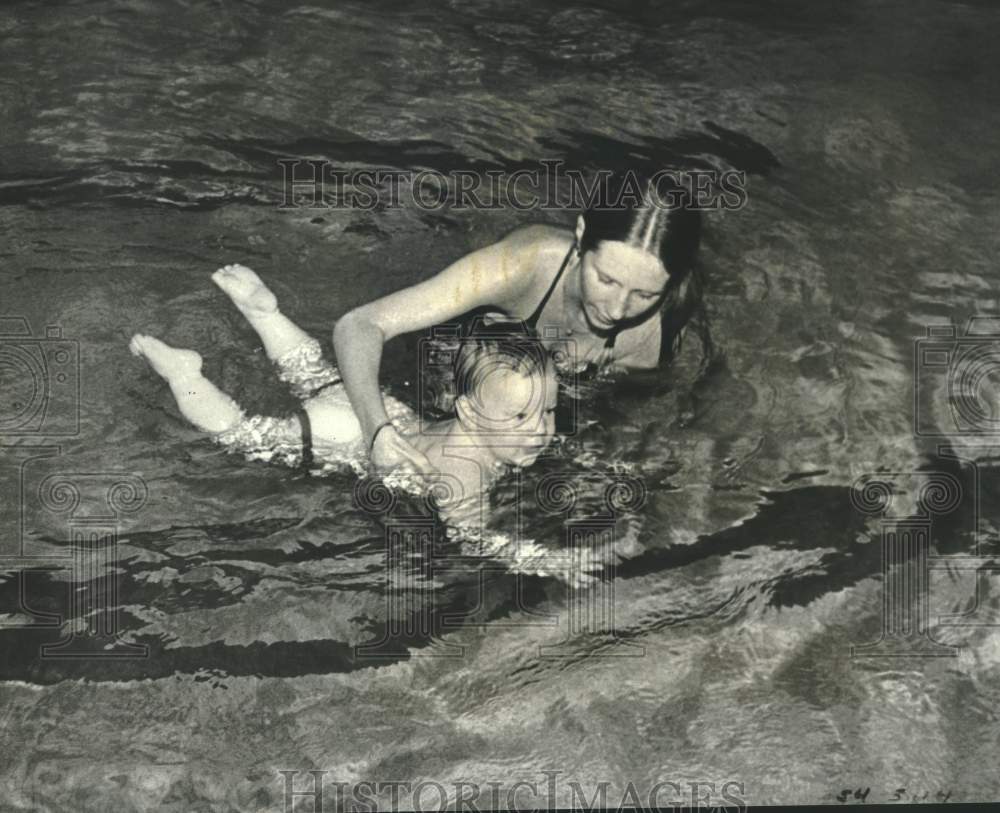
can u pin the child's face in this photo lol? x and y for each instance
(515, 412)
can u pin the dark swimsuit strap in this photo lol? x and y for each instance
(532, 321)
(308, 458)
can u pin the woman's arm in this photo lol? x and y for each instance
(496, 275)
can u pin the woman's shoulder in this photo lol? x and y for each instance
(537, 244)
(511, 273)
(539, 237)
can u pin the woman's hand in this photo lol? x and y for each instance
(391, 450)
(496, 275)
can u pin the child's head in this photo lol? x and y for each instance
(506, 390)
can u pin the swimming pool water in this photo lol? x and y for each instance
(139, 153)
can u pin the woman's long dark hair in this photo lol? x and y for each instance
(655, 213)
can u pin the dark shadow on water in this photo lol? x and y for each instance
(472, 592)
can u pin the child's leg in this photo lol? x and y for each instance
(258, 304)
(198, 399)
(201, 402)
(298, 355)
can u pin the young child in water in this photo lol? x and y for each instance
(504, 412)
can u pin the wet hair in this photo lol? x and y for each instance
(653, 213)
(487, 346)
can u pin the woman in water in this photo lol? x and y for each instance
(621, 287)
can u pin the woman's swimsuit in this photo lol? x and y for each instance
(587, 368)
(438, 380)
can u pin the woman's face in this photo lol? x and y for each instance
(619, 282)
